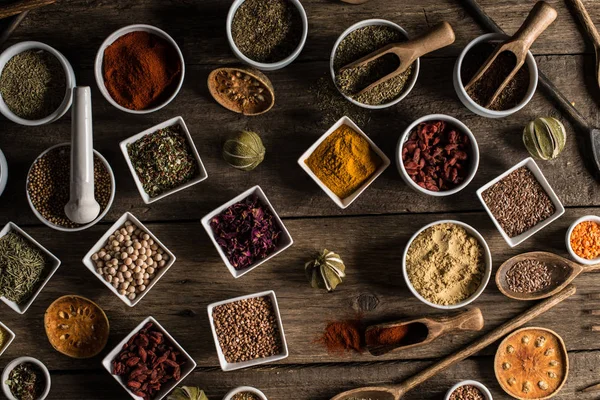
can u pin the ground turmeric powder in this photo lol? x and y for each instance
(344, 161)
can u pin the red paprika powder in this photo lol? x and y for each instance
(386, 336)
(141, 70)
(342, 336)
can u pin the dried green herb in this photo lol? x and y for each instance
(26, 382)
(163, 160)
(245, 396)
(33, 84)
(359, 43)
(187, 393)
(21, 268)
(332, 106)
(267, 31)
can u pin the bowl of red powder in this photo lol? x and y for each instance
(139, 69)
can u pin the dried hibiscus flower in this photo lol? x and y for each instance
(247, 232)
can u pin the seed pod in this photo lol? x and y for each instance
(243, 90)
(325, 271)
(544, 138)
(245, 151)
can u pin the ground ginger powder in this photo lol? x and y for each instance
(344, 161)
(445, 264)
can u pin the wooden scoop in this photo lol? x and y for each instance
(425, 330)
(439, 36)
(562, 273)
(540, 17)
(591, 30)
(395, 392)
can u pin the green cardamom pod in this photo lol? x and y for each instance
(544, 138)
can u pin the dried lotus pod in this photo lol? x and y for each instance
(534, 372)
(325, 271)
(76, 326)
(544, 138)
(243, 90)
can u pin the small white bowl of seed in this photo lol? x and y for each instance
(359, 40)
(129, 259)
(245, 393)
(255, 323)
(467, 390)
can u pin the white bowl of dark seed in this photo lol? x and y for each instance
(47, 187)
(359, 40)
(267, 35)
(468, 390)
(36, 83)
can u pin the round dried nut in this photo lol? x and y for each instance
(543, 385)
(525, 339)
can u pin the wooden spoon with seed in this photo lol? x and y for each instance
(562, 272)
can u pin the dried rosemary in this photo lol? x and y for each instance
(21, 268)
(163, 160)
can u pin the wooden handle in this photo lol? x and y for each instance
(469, 320)
(590, 268)
(540, 18)
(588, 24)
(486, 340)
(12, 26)
(441, 35)
(18, 7)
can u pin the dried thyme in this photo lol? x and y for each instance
(21, 268)
(267, 31)
(163, 160)
(332, 106)
(33, 84)
(359, 43)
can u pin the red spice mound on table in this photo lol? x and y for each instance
(343, 336)
(436, 156)
(141, 70)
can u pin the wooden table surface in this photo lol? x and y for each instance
(370, 234)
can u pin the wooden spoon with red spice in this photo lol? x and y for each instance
(383, 338)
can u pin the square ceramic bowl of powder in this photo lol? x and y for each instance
(511, 212)
(9, 336)
(468, 275)
(345, 201)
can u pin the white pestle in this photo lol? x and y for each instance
(82, 207)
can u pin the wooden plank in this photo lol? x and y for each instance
(372, 249)
(290, 128)
(321, 382)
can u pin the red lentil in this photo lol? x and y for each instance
(585, 240)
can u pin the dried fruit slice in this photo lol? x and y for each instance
(76, 326)
(242, 89)
(532, 363)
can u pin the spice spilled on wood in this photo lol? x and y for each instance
(518, 202)
(163, 160)
(529, 276)
(343, 336)
(359, 43)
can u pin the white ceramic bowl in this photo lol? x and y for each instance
(457, 124)
(110, 40)
(113, 189)
(485, 391)
(581, 260)
(189, 366)
(537, 173)
(89, 263)
(242, 389)
(69, 76)
(267, 66)
(226, 366)
(487, 255)
(284, 242)
(3, 172)
(459, 85)
(369, 22)
(343, 203)
(202, 175)
(11, 336)
(18, 361)
(52, 264)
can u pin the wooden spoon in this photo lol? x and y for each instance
(422, 331)
(394, 392)
(591, 30)
(439, 36)
(540, 17)
(562, 273)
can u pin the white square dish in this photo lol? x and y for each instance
(89, 263)
(11, 337)
(189, 366)
(343, 203)
(227, 366)
(52, 264)
(537, 173)
(202, 175)
(284, 242)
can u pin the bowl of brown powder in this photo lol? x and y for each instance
(447, 264)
